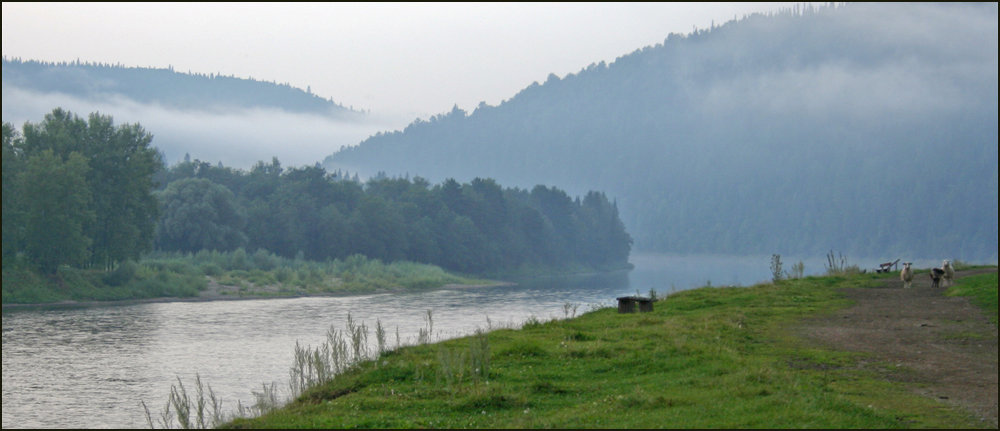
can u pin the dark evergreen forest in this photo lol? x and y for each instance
(870, 129)
(88, 193)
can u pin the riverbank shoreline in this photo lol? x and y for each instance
(672, 365)
(215, 291)
(209, 295)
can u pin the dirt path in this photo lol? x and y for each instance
(946, 344)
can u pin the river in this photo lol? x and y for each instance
(89, 367)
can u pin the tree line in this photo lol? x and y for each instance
(307, 212)
(166, 86)
(92, 194)
(78, 191)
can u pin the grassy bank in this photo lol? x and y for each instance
(981, 290)
(129, 282)
(711, 357)
(214, 274)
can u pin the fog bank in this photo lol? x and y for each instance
(236, 137)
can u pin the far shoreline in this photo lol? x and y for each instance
(219, 297)
(214, 292)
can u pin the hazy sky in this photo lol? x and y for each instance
(404, 60)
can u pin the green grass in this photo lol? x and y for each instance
(982, 291)
(260, 274)
(706, 358)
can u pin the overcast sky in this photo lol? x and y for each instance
(404, 60)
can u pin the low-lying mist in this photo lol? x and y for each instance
(237, 137)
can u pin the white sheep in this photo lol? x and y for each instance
(906, 274)
(949, 273)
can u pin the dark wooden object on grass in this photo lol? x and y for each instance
(886, 267)
(626, 304)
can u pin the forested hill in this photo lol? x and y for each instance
(165, 87)
(870, 129)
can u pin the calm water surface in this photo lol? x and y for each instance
(90, 367)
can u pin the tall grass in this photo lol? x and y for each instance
(456, 365)
(798, 271)
(837, 265)
(341, 352)
(380, 336)
(424, 334)
(569, 308)
(204, 410)
(776, 273)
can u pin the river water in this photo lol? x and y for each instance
(89, 367)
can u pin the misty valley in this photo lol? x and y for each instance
(463, 271)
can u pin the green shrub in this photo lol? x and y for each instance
(264, 261)
(238, 260)
(211, 269)
(21, 285)
(284, 274)
(123, 274)
(262, 277)
(179, 266)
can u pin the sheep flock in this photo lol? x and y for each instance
(945, 274)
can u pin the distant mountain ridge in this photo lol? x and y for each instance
(165, 86)
(226, 119)
(870, 129)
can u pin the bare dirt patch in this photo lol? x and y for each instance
(947, 345)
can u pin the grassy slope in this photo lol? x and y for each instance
(711, 357)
